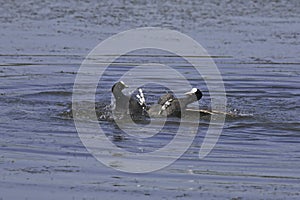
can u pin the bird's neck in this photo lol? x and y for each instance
(118, 94)
(187, 100)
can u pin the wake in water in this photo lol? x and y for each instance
(134, 107)
(105, 112)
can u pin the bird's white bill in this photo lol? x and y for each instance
(126, 86)
(193, 91)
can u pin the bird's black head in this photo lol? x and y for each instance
(195, 92)
(198, 94)
(119, 86)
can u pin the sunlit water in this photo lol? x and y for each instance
(256, 48)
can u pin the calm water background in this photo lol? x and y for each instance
(256, 47)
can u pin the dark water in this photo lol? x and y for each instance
(256, 48)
